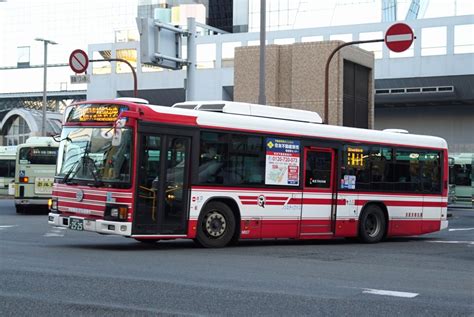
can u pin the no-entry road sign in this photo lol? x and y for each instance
(78, 61)
(399, 37)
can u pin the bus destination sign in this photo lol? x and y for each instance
(95, 113)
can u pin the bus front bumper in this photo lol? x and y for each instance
(99, 226)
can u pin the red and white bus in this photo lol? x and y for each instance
(217, 172)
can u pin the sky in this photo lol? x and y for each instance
(77, 23)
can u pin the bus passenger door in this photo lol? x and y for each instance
(163, 185)
(317, 212)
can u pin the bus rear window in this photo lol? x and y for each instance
(38, 155)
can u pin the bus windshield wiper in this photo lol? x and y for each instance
(68, 173)
(97, 181)
(87, 160)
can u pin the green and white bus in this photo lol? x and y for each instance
(461, 178)
(35, 169)
(7, 167)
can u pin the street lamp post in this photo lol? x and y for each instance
(45, 71)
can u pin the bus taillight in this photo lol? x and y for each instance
(24, 179)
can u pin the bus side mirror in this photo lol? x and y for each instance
(117, 137)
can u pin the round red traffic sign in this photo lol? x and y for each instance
(78, 61)
(399, 37)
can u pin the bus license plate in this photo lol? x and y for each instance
(76, 224)
(44, 185)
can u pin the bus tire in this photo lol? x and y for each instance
(372, 224)
(216, 225)
(19, 209)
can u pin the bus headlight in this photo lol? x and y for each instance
(116, 212)
(53, 204)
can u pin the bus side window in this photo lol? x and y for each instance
(356, 162)
(431, 172)
(212, 158)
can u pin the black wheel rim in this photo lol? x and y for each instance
(372, 225)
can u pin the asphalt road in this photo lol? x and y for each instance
(45, 271)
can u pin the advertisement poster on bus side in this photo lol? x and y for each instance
(282, 162)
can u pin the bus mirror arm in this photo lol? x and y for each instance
(130, 114)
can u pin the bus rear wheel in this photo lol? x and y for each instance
(216, 226)
(372, 224)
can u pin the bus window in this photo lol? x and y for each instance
(355, 163)
(431, 172)
(38, 155)
(407, 170)
(381, 170)
(212, 158)
(246, 160)
(462, 174)
(7, 168)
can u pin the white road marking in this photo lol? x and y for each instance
(452, 242)
(389, 293)
(55, 232)
(7, 226)
(461, 229)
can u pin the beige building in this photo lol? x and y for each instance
(294, 77)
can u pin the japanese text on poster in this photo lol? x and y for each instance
(282, 162)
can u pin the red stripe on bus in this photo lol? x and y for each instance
(84, 206)
(97, 198)
(266, 198)
(299, 191)
(397, 203)
(276, 203)
(248, 189)
(315, 201)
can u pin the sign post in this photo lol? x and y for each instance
(398, 38)
(79, 61)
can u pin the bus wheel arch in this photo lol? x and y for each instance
(373, 222)
(218, 223)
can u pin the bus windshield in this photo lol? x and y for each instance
(87, 155)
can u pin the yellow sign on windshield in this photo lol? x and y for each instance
(95, 113)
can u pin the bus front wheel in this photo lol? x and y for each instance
(372, 224)
(216, 225)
